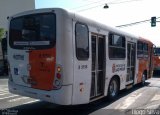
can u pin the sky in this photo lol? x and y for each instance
(120, 12)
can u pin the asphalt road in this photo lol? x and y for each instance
(8, 100)
(136, 101)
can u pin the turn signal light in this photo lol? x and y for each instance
(58, 69)
(58, 78)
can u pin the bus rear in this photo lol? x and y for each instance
(32, 54)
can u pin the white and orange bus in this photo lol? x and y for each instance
(156, 60)
(63, 58)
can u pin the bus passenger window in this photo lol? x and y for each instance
(116, 46)
(157, 51)
(139, 49)
(145, 50)
(82, 44)
(142, 50)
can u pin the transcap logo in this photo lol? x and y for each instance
(118, 67)
(18, 57)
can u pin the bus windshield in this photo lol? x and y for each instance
(36, 31)
(157, 51)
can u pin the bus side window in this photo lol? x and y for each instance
(157, 51)
(139, 49)
(116, 45)
(82, 41)
(145, 50)
(142, 50)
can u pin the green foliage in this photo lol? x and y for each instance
(2, 32)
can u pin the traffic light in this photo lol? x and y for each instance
(153, 21)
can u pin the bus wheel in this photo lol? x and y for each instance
(113, 88)
(143, 79)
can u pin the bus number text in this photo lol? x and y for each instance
(82, 66)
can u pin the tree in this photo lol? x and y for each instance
(2, 32)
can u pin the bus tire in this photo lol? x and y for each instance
(113, 88)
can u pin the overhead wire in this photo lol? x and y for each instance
(104, 4)
(91, 3)
(113, 2)
(135, 23)
(86, 5)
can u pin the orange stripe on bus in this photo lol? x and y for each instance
(142, 66)
(42, 71)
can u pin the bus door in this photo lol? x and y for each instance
(131, 56)
(98, 65)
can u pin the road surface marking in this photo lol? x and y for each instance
(1, 92)
(4, 89)
(155, 98)
(18, 99)
(31, 101)
(3, 85)
(9, 97)
(155, 106)
(128, 101)
(4, 93)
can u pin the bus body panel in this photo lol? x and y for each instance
(62, 96)
(112, 70)
(142, 67)
(19, 66)
(82, 71)
(42, 68)
(156, 62)
(42, 64)
(64, 46)
(33, 69)
(137, 72)
(39, 70)
(156, 59)
(145, 63)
